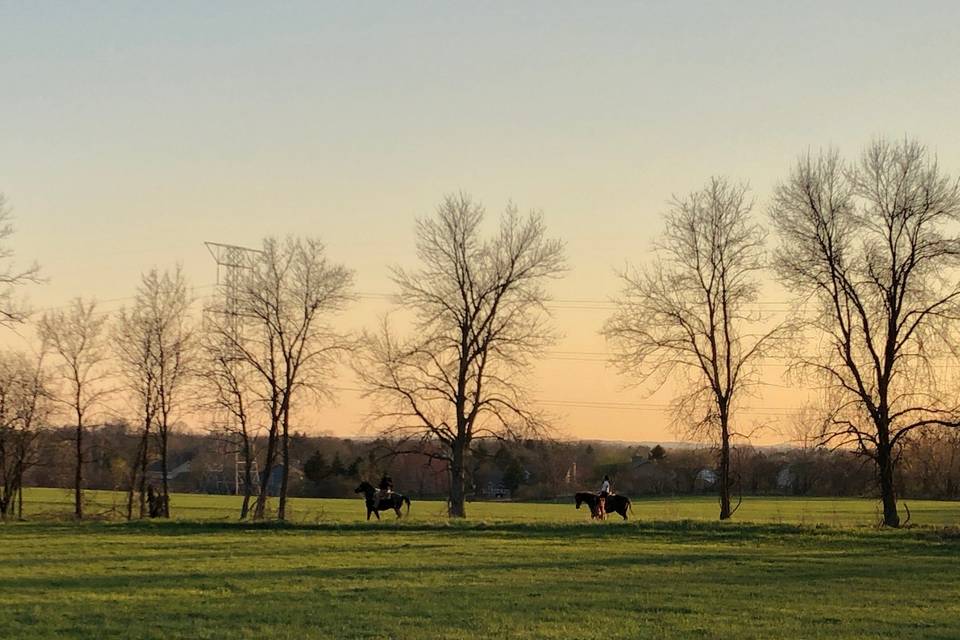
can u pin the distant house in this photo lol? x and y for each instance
(494, 487)
(275, 480)
(706, 478)
(154, 471)
(786, 478)
(496, 490)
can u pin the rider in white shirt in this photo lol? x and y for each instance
(602, 497)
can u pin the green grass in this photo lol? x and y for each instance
(58, 503)
(802, 569)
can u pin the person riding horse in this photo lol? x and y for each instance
(602, 497)
(385, 490)
(383, 498)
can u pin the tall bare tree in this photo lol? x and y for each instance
(688, 317)
(871, 252)
(175, 356)
(11, 276)
(134, 347)
(155, 347)
(478, 306)
(76, 336)
(288, 344)
(24, 408)
(226, 394)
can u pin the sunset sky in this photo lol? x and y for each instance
(130, 133)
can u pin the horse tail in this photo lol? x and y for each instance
(407, 500)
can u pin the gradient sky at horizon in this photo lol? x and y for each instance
(132, 132)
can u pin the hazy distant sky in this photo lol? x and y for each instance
(132, 132)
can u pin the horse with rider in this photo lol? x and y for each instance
(382, 497)
(604, 501)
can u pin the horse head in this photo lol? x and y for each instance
(365, 488)
(589, 499)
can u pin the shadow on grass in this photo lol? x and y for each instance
(689, 529)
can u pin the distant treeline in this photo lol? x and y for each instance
(325, 466)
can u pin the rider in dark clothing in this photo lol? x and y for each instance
(386, 484)
(386, 489)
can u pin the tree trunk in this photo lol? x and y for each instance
(725, 512)
(6, 496)
(260, 507)
(165, 486)
(247, 479)
(285, 455)
(143, 477)
(131, 489)
(78, 475)
(137, 474)
(457, 508)
(887, 492)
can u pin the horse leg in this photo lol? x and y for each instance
(397, 509)
(376, 513)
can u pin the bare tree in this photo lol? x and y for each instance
(76, 336)
(11, 276)
(288, 345)
(227, 396)
(691, 312)
(871, 253)
(24, 407)
(134, 349)
(479, 319)
(154, 346)
(175, 352)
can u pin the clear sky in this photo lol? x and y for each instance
(132, 132)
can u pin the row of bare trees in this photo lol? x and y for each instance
(869, 252)
(254, 363)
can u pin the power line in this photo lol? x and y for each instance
(109, 301)
(621, 406)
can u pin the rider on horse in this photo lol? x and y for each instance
(602, 497)
(386, 490)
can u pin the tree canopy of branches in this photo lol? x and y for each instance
(76, 337)
(689, 312)
(287, 346)
(11, 276)
(479, 319)
(24, 409)
(155, 347)
(871, 252)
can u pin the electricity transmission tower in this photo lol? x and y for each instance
(233, 265)
(239, 482)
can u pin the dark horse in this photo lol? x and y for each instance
(615, 503)
(395, 501)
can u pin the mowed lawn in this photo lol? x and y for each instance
(785, 569)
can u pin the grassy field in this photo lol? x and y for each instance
(786, 569)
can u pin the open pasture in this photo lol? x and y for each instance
(837, 512)
(785, 569)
